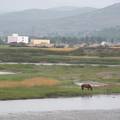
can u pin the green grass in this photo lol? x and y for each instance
(26, 54)
(49, 92)
(69, 73)
(65, 74)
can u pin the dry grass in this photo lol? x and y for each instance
(29, 83)
(60, 49)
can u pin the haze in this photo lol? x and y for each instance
(16, 5)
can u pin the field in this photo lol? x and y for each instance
(60, 55)
(59, 49)
(38, 81)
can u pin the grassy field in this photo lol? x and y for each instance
(31, 81)
(60, 55)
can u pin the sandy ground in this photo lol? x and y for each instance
(65, 115)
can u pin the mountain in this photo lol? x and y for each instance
(62, 21)
(109, 33)
(72, 8)
(96, 20)
(50, 13)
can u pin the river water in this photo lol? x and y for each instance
(99, 102)
(62, 64)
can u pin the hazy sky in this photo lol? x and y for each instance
(11, 5)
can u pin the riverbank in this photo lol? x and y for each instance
(65, 115)
(50, 81)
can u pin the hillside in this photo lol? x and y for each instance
(60, 21)
(96, 20)
(112, 33)
(40, 14)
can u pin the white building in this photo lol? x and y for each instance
(18, 39)
(105, 44)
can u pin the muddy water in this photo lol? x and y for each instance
(100, 102)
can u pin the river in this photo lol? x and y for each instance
(98, 102)
(62, 64)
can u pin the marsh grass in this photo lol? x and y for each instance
(62, 55)
(66, 75)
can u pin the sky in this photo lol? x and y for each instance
(16, 5)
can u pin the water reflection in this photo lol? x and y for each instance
(102, 102)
